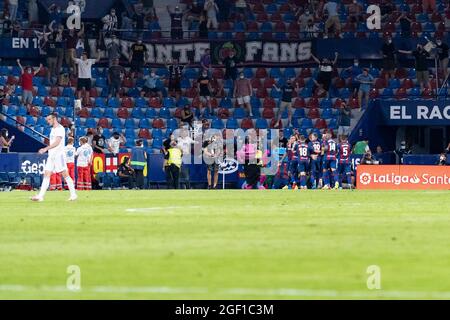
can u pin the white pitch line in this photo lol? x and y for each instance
(152, 209)
(283, 292)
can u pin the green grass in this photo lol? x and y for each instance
(226, 245)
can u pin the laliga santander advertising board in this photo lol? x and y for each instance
(403, 177)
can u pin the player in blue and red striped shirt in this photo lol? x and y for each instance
(315, 153)
(303, 160)
(293, 161)
(330, 150)
(345, 163)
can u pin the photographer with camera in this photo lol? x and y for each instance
(213, 155)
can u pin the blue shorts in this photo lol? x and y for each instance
(279, 183)
(293, 165)
(329, 164)
(344, 168)
(303, 166)
(315, 165)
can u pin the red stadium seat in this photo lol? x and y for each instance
(158, 124)
(374, 93)
(436, 17)
(284, 8)
(34, 111)
(401, 94)
(123, 113)
(353, 103)
(262, 17)
(261, 93)
(258, 8)
(223, 113)
(320, 124)
(155, 102)
(401, 73)
(299, 103)
(337, 103)
(408, 84)
(293, 35)
(416, 27)
(218, 73)
(274, 124)
(256, 83)
(65, 122)
(261, 73)
(144, 134)
(54, 92)
(380, 83)
(104, 123)
(339, 83)
(268, 83)
(314, 113)
(294, 27)
(252, 26)
(269, 103)
(191, 93)
(306, 73)
(93, 93)
(280, 27)
(177, 113)
(276, 17)
(268, 113)
(313, 103)
(84, 113)
(247, 123)
(49, 102)
(127, 103)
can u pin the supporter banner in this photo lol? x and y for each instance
(107, 162)
(14, 48)
(403, 177)
(266, 52)
(415, 112)
(247, 52)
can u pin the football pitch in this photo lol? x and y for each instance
(226, 245)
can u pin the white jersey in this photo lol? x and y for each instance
(69, 152)
(84, 155)
(114, 144)
(59, 131)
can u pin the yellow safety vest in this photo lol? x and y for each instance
(175, 157)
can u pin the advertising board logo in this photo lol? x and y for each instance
(29, 167)
(228, 166)
(365, 178)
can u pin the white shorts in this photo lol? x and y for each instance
(56, 163)
(242, 100)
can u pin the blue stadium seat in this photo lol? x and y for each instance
(116, 123)
(326, 103)
(144, 124)
(129, 123)
(172, 124)
(90, 123)
(113, 103)
(248, 73)
(299, 113)
(22, 111)
(140, 102)
(232, 123)
(109, 113)
(289, 73)
(157, 143)
(157, 133)
(168, 102)
(68, 92)
(255, 102)
(137, 113)
(266, 27)
(226, 103)
(164, 113)
(327, 113)
(306, 124)
(11, 110)
(150, 113)
(96, 112)
(217, 124)
(62, 102)
(239, 113)
(275, 73)
(261, 123)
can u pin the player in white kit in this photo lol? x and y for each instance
(56, 161)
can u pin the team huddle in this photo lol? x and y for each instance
(325, 162)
